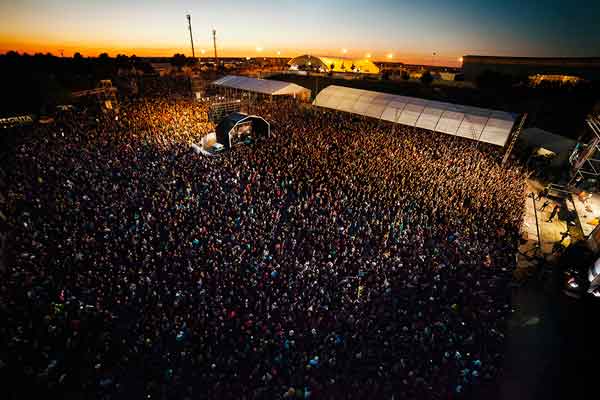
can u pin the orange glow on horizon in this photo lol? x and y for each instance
(93, 50)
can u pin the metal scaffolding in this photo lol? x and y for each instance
(584, 160)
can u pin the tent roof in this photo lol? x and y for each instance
(361, 64)
(264, 86)
(229, 122)
(475, 123)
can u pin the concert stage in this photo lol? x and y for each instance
(587, 207)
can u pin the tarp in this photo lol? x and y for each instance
(484, 125)
(263, 86)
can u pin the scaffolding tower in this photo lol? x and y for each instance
(584, 160)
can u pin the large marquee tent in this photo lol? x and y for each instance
(340, 64)
(484, 125)
(262, 86)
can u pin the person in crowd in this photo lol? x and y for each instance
(553, 213)
(337, 259)
(544, 205)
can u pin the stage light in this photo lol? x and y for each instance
(278, 52)
(368, 55)
(573, 283)
(460, 59)
(344, 51)
(259, 49)
(202, 51)
(390, 56)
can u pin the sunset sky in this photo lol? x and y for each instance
(410, 30)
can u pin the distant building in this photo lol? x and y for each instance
(339, 64)
(538, 79)
(162, 69)
(447, 76)
(556, 68)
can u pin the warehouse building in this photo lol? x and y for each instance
(555, 68)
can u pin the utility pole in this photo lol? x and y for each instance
(189, 18)
(215, 46)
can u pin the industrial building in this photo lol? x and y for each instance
(556, 68)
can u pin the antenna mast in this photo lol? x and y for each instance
(189, 18)
(215, 46)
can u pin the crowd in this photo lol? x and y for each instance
(169, 86)
(341, 258)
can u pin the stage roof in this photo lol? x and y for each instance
(485, 125)
(263, 86)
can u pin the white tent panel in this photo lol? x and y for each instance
(416, 101)
(472, 125)
(410, 114)
(430, 117)
(392, 114)
(347, 104)
(450, 121)
(361, 107)
(375, 110)
(334, 101)
(495, 129)
(475, 123)
(397, 104)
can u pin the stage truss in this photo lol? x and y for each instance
(584, 160)
(220, 107)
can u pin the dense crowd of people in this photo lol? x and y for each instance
(340, 258)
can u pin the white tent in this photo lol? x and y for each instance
(475, 123)
(263, 86)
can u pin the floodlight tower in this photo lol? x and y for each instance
(215, 46)
(189, 18)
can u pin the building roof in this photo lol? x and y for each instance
(485, 125)
(264, 86)
(231, 120)
(535, 61)
(340, 64)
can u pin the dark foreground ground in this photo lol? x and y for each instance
(550, 352)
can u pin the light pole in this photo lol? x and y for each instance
(189, 18)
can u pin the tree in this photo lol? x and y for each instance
(122, 60)
(405, 75)
(426, 78)
(103, 57)
(178, 60)
(332, 67)
(352, 67)
(77, 56)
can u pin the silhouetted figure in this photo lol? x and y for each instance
(553, 213)
(546, 204)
